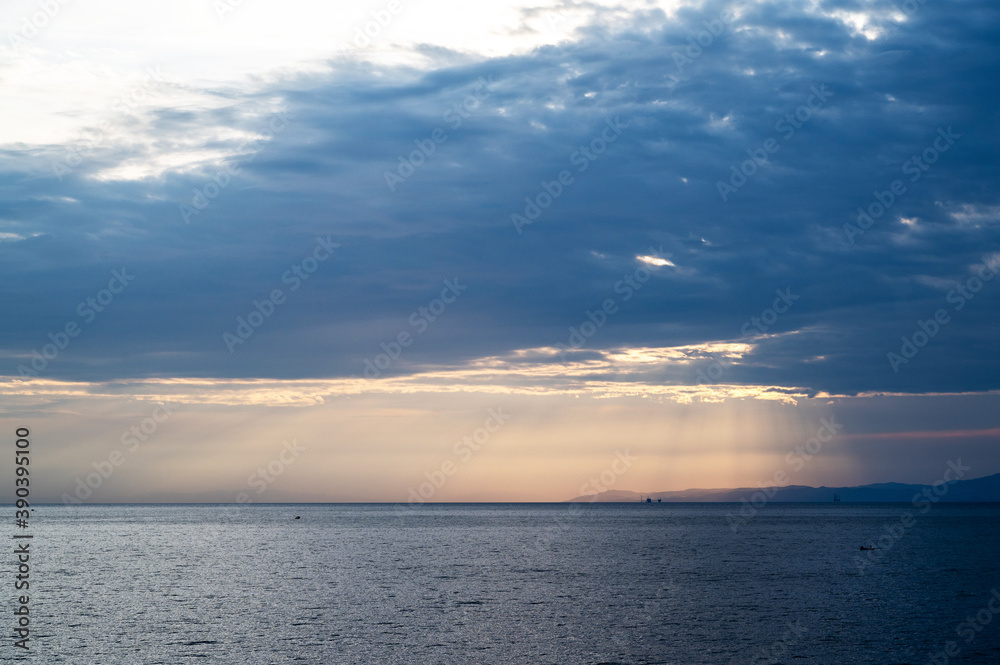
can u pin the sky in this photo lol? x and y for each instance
(415, 251)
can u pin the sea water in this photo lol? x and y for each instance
(510, 583)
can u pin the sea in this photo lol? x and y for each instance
(631, 583)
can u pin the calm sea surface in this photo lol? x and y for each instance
(498, 583)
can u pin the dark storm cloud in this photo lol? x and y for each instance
(689, 117)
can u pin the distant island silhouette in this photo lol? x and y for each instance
(985, 489)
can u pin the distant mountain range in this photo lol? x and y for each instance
(985, 489)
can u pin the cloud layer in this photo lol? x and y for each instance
(805, 112)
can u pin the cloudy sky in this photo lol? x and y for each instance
(355, 244)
